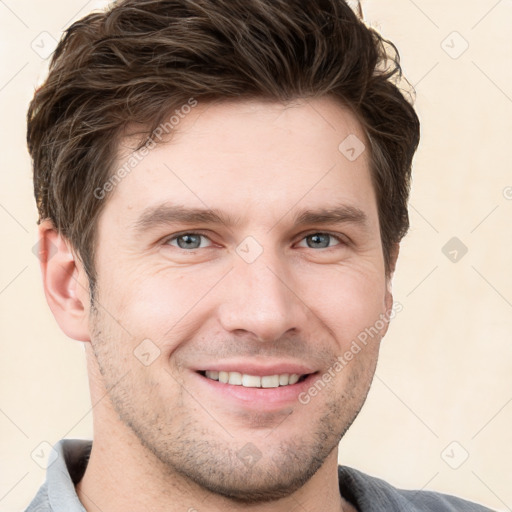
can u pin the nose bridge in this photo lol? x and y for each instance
(259, 297)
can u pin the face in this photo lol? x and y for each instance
(245, 250)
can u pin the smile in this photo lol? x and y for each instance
(254, 381)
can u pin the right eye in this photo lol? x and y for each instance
(188, 241)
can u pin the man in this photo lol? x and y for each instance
(222, 189)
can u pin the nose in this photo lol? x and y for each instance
(260, 300)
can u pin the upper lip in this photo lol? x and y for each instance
(258, 369)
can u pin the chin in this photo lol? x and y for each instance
(265, 481)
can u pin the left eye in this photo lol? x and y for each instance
(188, 241)
(320, 240)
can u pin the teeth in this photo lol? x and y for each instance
(284, 379)
(235, 378)
(270, 381)
(253, 381)
(293, 378)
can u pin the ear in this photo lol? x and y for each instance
(393, 256)
(388, 300)
(65, 283)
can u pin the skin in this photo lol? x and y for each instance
(165, 438)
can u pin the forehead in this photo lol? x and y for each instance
(244, 157)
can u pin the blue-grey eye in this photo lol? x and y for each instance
(319, 240)
(188, 241)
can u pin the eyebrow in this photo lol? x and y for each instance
(165, 214)
(336, 215)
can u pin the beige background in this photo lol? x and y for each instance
(445, 369)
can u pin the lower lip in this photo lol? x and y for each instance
(260, 398)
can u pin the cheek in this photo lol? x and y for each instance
(348, 303)
(160, 306)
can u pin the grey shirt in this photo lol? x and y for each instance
(366, 493)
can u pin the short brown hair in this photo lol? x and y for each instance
(140, 59)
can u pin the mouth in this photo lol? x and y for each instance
(254, 381)
(250, 385)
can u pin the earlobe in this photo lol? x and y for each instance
(65, 283)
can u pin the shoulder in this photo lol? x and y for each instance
(64, 470)
(40, 502)
(373, 494)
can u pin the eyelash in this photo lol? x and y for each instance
(167, 241)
